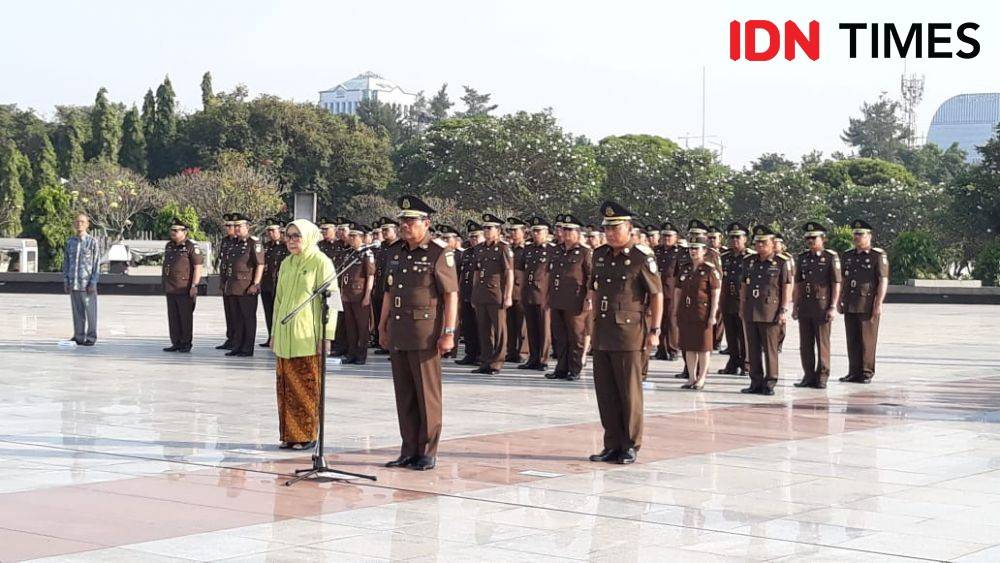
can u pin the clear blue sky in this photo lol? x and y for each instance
(604, 67)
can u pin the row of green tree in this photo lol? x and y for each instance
(132, 168)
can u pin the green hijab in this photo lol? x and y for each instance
(299, 276)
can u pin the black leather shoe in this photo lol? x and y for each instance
(184, 350)
(749, 390)
(233, 353)
(727, 371)
(171, 348)
(820, 386)
(264, 345)
(466, 361)
(401, 461)
(224, 346)
(541, 367)
(527, 365)
(725, 352)
(803, 383)
(862, 380)
(556, 375)
(572, 376)
(381, 352)
(767, 391)
(628, 456)
(847, 378)
(92, 342)
(423, 463)
(672, 357)
(660, 356)
(359, 362)
(681, 375)
(512, 358)
(605, 455)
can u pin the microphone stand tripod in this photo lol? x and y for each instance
(319, 465)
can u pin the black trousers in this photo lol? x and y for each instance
(762, 348)
(736, 341)
(267, 299)
(516, 333)
(229, 308)
(180, 317)
(378, 297)
(470, 330)
(246, 323)
(814, 340)
(862, 336)
(536, 320)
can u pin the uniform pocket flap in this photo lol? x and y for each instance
(424, 314)
(627, 317)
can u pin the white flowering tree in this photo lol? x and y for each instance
(659, 181)
(111, 196)
(522, 162)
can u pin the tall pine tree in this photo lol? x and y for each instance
(148, 113)
(207, 96)
(46, 167)
(69, 150)
(11, 192)
(161, 143)
(476, 104)
(106, 131)
(133, 153)
(440, 103)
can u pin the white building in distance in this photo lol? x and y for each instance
(345, 97)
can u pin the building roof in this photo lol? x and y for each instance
(967, 119)
(367, 81)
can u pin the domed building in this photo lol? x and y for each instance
(345, 97)
(967, 119)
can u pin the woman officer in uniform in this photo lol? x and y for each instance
(696, 300)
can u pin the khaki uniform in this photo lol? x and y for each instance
(357, 315)
(666, 257)
(493, 261)
(275, 253)
(569, 272)
(764, 284)
(179, 261)
(714, 255)
(516, 335)
(864, 271)
(246, 255)
(816, 274)
(622, 284)
(228, 303)
(535, 298)
(731, 305)
(335, 250)
(781, 333)
(467, 313)
(695, 286)
(378, 289)
(417, 280)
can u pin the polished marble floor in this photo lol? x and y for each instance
(121, 452)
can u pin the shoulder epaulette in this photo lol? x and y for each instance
(877, 249)
(827, 250)
(644, 249)
(439, 242)
(709, 264)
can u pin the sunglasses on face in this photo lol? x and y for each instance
(177, 229)
(293, 236)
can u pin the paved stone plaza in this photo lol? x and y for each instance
(122, 452)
